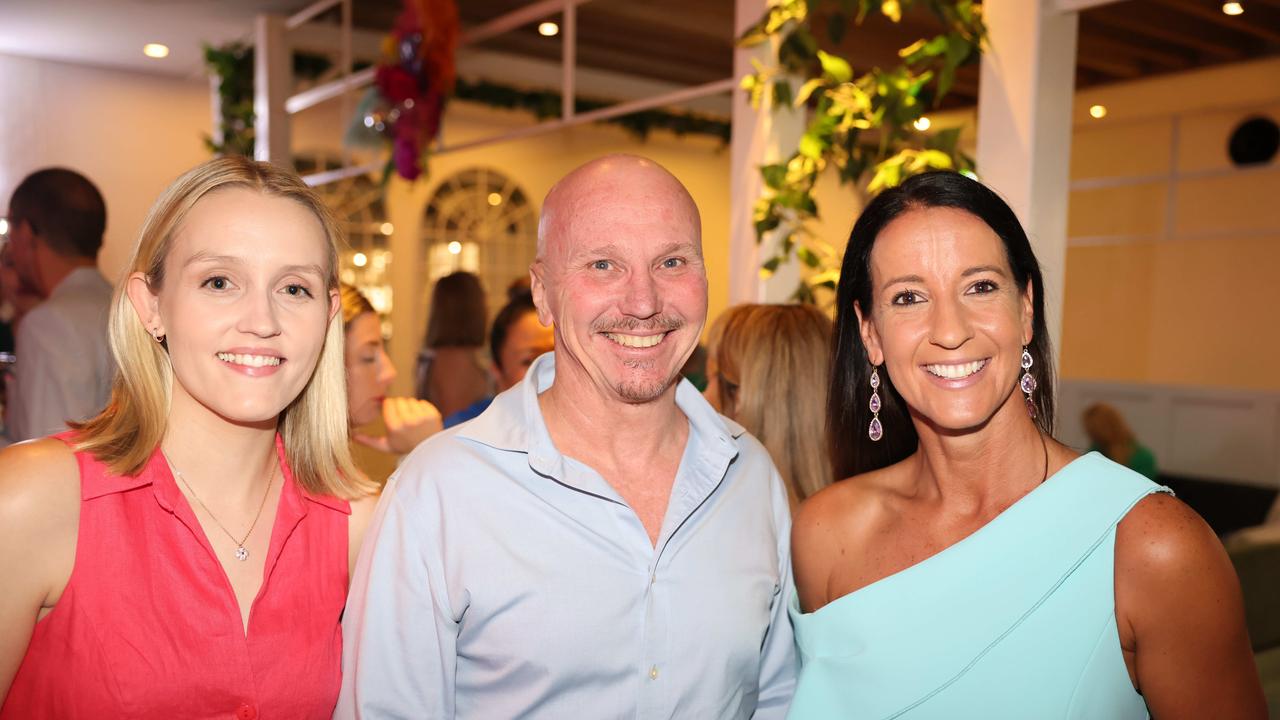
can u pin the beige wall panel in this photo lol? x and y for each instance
(1106, 314)
(1240, 202)
(1120, 211)
(1213, 319)
(1121, 149)
(1203, 137)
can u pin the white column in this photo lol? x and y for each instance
(1024, 127)
(405, 202)
(272, 75)
(759, 137)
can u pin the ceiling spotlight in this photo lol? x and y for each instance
(455, 247)
(4, 226)
(548, 29)
(155, 50)
(1098, 111)
(386, 228)
(359, 260)
(922, 124)
(495, 199)
(1232, 8)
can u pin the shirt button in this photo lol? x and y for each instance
(246, 712)
(653, 673)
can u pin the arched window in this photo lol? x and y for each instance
(481, 221)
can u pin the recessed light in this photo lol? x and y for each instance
(922, 124)
(387, 228)
(1233, 8)
(359, 260)
(495, 199)
(155, 50)
(548, 29)
(455, 247)
(1098, 111)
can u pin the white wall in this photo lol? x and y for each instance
(130, 133)
(1201, 432)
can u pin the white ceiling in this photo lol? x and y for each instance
(112, 32)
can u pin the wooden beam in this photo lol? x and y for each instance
(1078, 5)
(1093, 38)
(1148, 28)
(1237, 23)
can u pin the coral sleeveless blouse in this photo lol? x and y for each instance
(148, 625)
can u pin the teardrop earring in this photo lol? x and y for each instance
(876, 430)
(1028, 381)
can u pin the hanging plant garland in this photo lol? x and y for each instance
(864, 125)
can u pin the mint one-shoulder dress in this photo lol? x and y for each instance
(1015, 621)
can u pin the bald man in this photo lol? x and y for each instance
(599, 543)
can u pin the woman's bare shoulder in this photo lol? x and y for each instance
(39, 514)
(36, 477)
(861, 497)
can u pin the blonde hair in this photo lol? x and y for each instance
(1106, 428)
(313, 426)
(771, 365)
(354, 303)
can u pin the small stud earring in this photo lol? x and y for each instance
(159, 336)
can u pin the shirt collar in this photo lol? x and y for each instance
(514, 422)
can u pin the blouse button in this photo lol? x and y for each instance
(246, 712)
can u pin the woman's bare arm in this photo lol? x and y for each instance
(1181, 616)
(39, 519)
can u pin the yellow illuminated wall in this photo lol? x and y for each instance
(1173, 264)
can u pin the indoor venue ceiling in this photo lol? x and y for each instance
(690, 41)
(683, 42)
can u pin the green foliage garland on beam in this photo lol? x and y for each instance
(232, 66)
(545, 104)
(862, 126)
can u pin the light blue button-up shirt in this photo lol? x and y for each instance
(501, 579)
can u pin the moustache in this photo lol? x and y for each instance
(658, 323)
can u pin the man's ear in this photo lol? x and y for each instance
(145, 302)
(870, 336)
(539, 290)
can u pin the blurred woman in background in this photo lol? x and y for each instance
(451, 372)
(370, 373)
(767, 370)
(1110, 435)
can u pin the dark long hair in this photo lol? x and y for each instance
(848, 414)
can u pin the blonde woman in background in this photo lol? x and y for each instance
(370, 373)
(1110, 435)
(186, 552)
(767, 370)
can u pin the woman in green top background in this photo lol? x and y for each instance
(1110, 435)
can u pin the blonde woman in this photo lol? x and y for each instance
(1110, 435)
(186, 552)
(767, 370)
(370, 373)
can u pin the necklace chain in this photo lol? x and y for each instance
(241, 552)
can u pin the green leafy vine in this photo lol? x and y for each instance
(863, 126)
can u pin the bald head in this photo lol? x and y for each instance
(614, 188)
(620, 276)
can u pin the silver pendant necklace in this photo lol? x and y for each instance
(241, 553)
